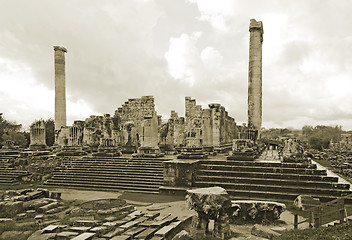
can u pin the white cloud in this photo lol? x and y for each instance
(217, 13)
(25, 100)
(128, 49)
(183, 58)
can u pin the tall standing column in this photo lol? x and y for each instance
(60, 89)
(255, 75)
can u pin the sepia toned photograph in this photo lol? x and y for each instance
(175, 120)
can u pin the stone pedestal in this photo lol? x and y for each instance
(192, 153)
(180, 173)
(148, 152)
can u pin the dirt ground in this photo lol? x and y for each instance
(82, 195)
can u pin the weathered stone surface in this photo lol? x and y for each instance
(48, 207)
(183, 235)
(278, 229)
(211, 203)
(255, 210)
(181, 173)
(265, 232)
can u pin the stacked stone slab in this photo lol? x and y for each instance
(269, 180)
(141, 175)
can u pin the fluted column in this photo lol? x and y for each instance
(255, 75)
(60, 89)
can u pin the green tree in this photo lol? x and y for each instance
(319, 137)
(18, 138)
(9, 130)
(50, 132)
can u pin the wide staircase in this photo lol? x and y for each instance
(119, 173)
(9, 175)
(269, 180)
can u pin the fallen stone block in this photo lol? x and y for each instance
(66, 235)
(84, 236)
(50, 229)
(121, 237)
(279, 229)
(264, 232)
(5, 220)
(86, 223)
(48, 207)
(146, 234)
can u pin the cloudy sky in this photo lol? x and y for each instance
(175, 48)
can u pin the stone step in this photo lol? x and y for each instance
(268, 181)
(258, 164)
(263, 169)
(122, 159)
(12, 171)
(92, 166)
(7, 181)
(112, 171)
(109, 180)
(298, 177)
(84, 185)
(111, 163)
(275, 188)
(109, 176)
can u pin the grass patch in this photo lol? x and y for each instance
(21, 186)
(332, 216)
(12, 226)
(340, 232)
(325, 163)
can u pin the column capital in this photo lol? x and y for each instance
(58, 48)
(256, 25)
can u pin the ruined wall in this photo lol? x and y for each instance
(193, 123)
(37, 133)
(138, 122)
(255, 75)
(208, 127)
(97, 128)
(72, 135)
(172, 133)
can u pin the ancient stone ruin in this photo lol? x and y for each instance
(210, 204)
(37, 136)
